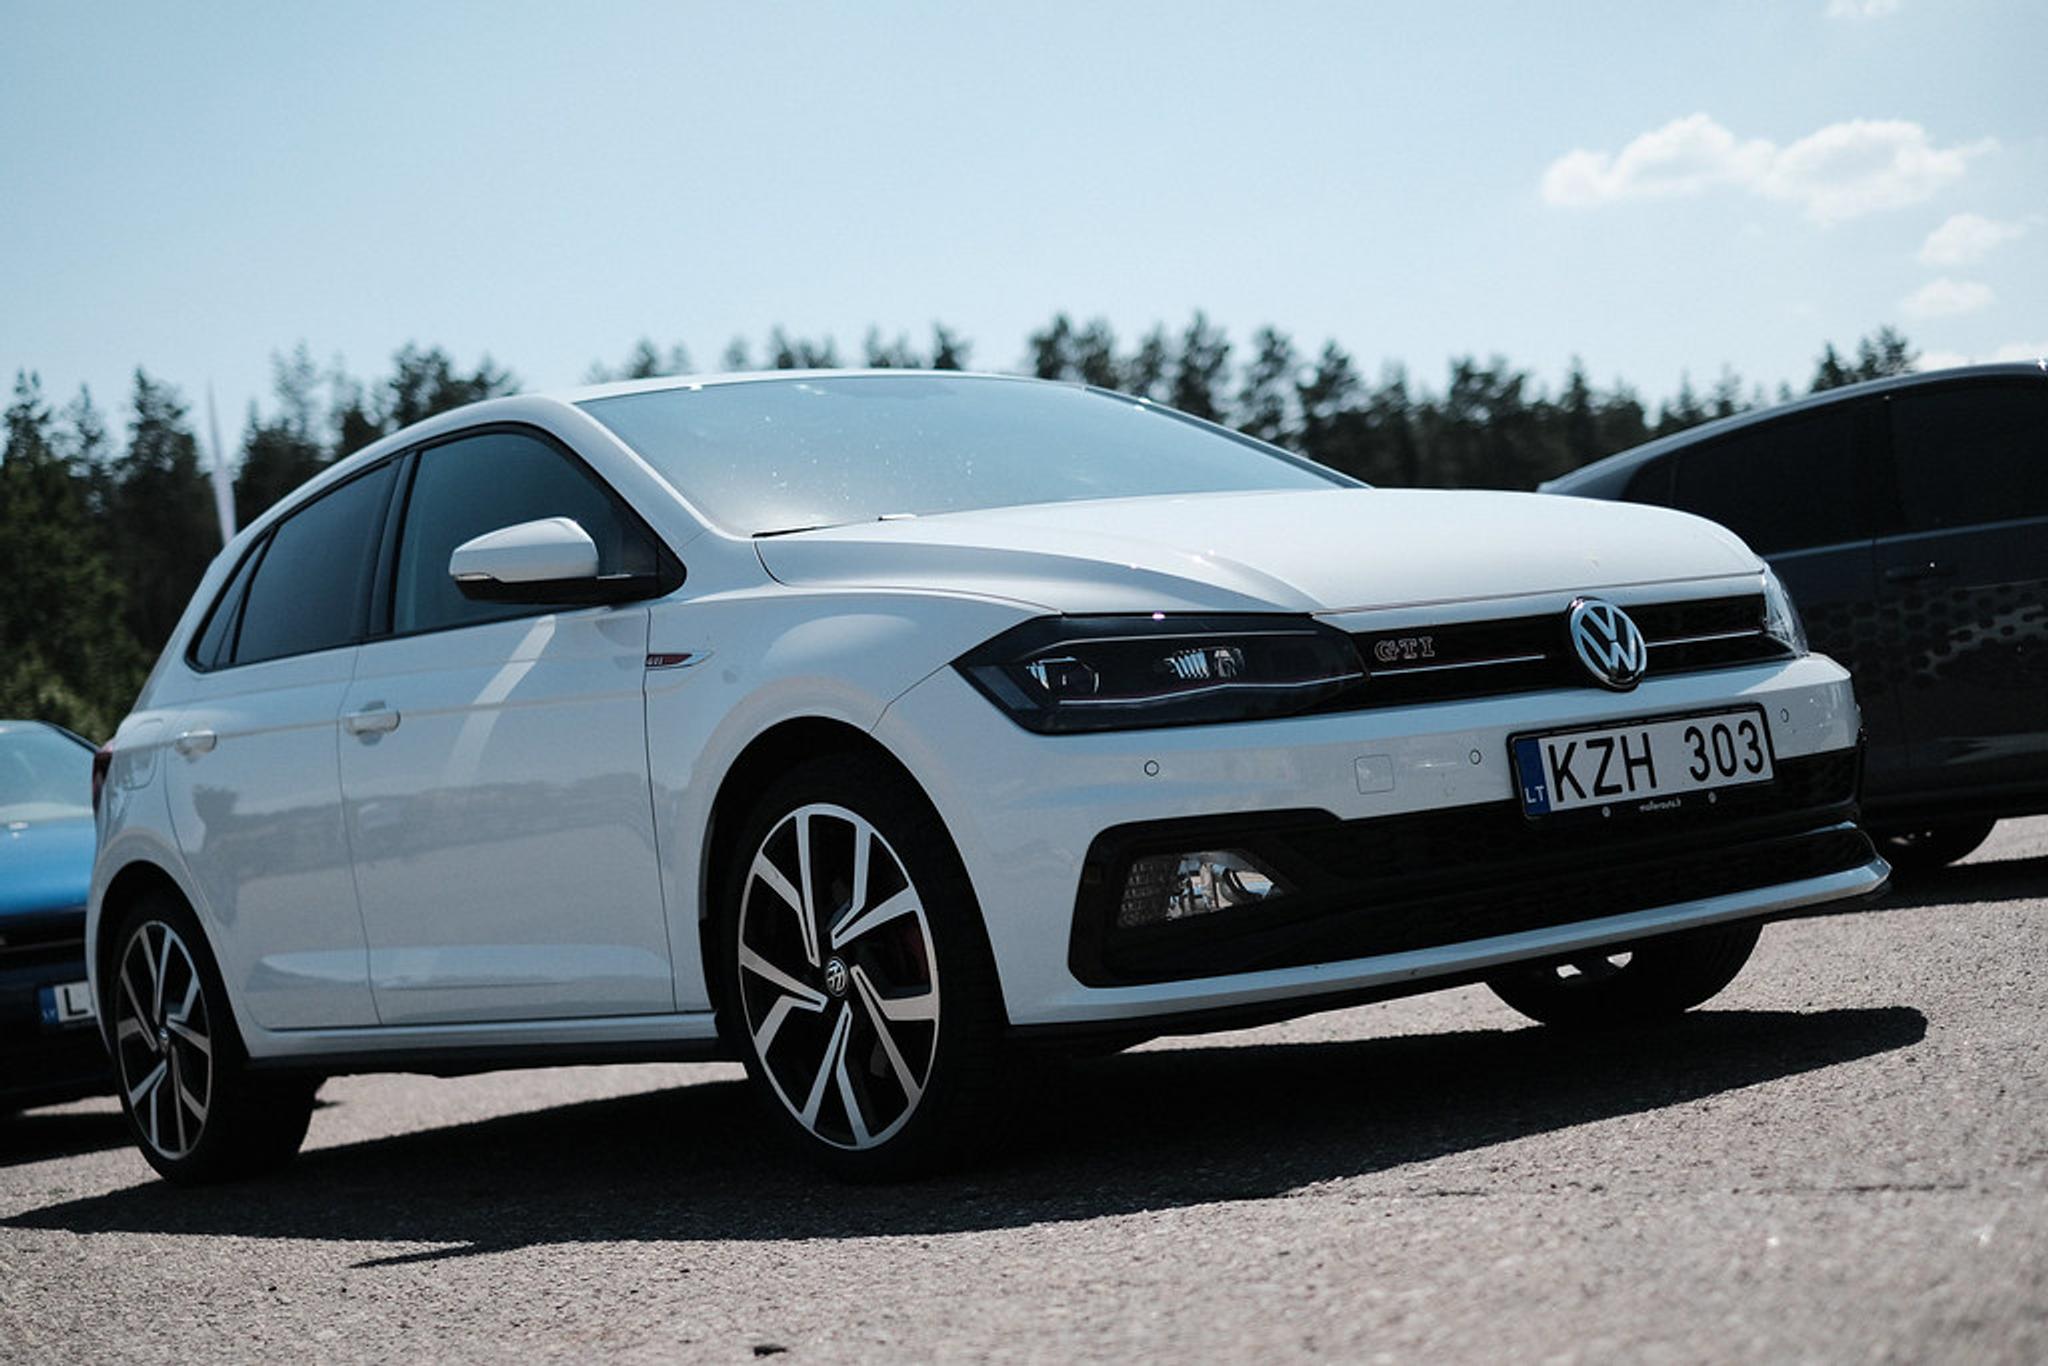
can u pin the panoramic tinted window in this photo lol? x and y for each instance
(781, 454)
(43, 775)
(310, 585)
(485, 483)
(1783, 485)
(1973, 453)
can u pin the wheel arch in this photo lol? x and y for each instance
(135, 880)
(764, 759)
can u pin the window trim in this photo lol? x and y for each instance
(670, 572)
(252, 560)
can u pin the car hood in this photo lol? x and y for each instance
(1313, 551)
(45, 865)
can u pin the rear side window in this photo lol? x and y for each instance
(1971, 453)
(487, 482)
(215, 645)
(311, 584)
(1784, 485)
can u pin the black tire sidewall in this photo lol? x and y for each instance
(253, 1122)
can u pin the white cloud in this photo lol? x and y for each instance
(1946, 298)
(2034, 352)
(1966, 238)
(1861, 9)
(1837, 172)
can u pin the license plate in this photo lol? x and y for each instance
(67, 1003)
(1643, 765)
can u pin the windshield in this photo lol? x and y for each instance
(781, 455)
(45, 775)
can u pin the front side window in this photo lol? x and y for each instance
(1789, 484)
(1971, 453)
(780, 455)
(311, 585)
(484, 483)
(44, 775)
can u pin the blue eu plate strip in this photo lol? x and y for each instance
(1529, 774)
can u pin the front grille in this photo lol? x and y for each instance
(1396, 883)
(58, 937)
(1528, 654)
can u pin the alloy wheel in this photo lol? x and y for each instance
(838, 980)
(163, 1039)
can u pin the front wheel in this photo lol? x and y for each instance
(197, 1112)
(1623, 986)
(859, 987)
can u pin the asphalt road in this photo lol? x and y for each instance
(1843, 1158)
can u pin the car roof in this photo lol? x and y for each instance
(584, 392)
(1623, 461)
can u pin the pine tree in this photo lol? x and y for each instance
(1202, 370)
(1829, 372)
(949, 352)
(1265, 403)
(282, 452)
(67, 657)
(896, 355)
(1323, 398)
(1094, 355)
(1884, 353)
(1144, 371)
(1052, 349)
(162, 514)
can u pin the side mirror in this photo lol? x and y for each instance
(550, 561)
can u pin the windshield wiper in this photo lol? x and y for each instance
(822, 526)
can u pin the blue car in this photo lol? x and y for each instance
(49, 1049)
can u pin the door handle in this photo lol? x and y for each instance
(194, 743)
(371, 720)
(1916, 573)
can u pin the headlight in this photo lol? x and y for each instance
(1061, 674)
(1781, 615)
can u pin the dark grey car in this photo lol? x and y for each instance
(1909, 519)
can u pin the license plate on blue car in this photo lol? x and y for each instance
(66, 1003)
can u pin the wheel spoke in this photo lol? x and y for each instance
(803, 883)
(871, 1001)
(920, 1005)
(125, 1029)
(193, 1037)
(177, 1088)
(810, 996)
(193, 1103)
(149, 1083)
(184, 1010)
(790, 896)
(160, 969)
(853, 927)
(835, 1052)
(854, 1118)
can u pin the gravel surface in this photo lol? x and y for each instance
(1842, 1158)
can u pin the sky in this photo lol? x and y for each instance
(1660, 189)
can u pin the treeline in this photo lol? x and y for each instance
(103, 535)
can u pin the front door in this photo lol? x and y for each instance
(494, 766)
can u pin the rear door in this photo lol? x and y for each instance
(1803, 491)
(1964, 578)
(494, 763)
(255, 797)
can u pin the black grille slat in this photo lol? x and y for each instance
(1463, 660)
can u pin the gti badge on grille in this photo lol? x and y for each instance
(1400, 649)
(1608, 643)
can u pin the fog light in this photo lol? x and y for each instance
(1165, 887)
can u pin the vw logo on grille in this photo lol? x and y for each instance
(1609, 645)
(835, 977)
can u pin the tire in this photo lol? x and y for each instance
(859, 989)
(1919, 850)
(1620, 987)
(196, 1110)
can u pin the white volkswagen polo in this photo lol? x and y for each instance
(865, 726)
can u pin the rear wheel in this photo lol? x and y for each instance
(197, 1112)
(858, 984)
(1615, 988)
(1925, 849)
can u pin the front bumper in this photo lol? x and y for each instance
(42, 1062)
(1029, 812)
